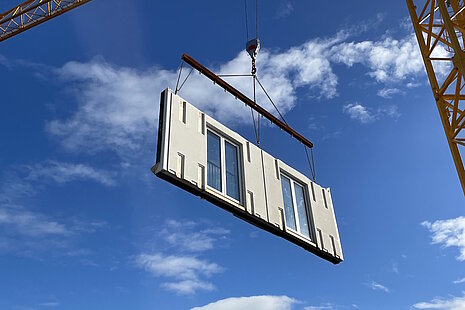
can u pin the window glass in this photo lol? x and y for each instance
(288, 205)
(232, 170)
(213, 161)
(301, 210)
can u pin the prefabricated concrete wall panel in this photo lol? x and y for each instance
(187, 143)
(256, 203)
(325, 221)
(274, 195)
(182, 160)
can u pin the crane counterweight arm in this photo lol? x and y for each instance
(32, 13)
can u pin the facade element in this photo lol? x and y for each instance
(204, 157)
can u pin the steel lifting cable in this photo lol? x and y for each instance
(257, 135)
(256, 18)
(313, 165)
(254, 69)
(310, 160)
(185, 80)
(246, 21)
(257, 132)
(179, 77)
(178, 89)
(271, 100)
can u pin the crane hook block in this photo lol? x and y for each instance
(252, 47)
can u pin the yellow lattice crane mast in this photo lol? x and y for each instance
(440, 28)
(32, 13)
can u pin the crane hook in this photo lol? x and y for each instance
(252, 47)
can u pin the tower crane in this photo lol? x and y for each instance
(32, 13)
(440, 29)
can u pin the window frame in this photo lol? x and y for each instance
(223, 139)
(307, 204)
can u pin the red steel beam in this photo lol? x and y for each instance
(233, 91)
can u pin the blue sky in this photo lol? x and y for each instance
(85, 225)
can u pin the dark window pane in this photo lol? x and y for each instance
(213, 161)
(301, 210)
(288, 207)
(232, 171)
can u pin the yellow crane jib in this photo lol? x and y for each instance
(440, 28)
(32, 13)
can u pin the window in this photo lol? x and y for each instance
(295, 206)
(223, 165)
(213, 161)
(232, 170)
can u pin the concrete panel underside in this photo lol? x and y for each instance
(256, 221)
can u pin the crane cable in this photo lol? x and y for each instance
(310, 158)
(246, 21)
(256, 125)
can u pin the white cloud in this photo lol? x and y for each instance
(459, 281)
(388, 92)
(12, 189)
(412, 84)
(327, 306)
(284, 10)
(449, 233)
(26, 230)
(29, 223)
(364, 115)
(306, 65)
(188, 237)
(188, 286)
(378, 287)
(117, 107)
(264, 302)
(21, 185)
(389, 60)
(330, 306)
(454, 303)
(50, 304)
(61, 172)
(358, 112)
(4, 62)
(30, 233)
(182, 271)
(184, 267)
(24, 181)
(187, 270)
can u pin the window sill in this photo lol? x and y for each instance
(299, 235)
(230, 200)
